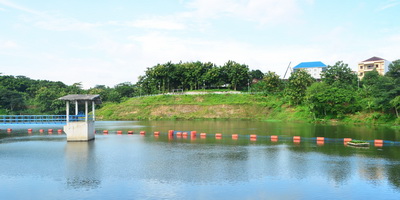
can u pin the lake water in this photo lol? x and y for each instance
(45, 166)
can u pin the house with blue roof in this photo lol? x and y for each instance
(313, 68)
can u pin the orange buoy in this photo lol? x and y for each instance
(378, 143)
(9, 130)
(119, 132)
(50, 131)
(203, 135)
(156, 133)
(60, 130)
(179, 134)
(170, 132)
(274, 138)
(253, 136)
(130, 132)
(218, 135)
(346, 140)
(235, 136)
(142, 132)
(41, 131)
(320, 139)
(184, 134)
(29, 130)
(193, 137)
(193, 133)
(296, 138)
(170, 137)
(105, 132)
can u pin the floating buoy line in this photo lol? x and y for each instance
(252, 137)
(172, 134)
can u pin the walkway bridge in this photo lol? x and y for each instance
(42, 119)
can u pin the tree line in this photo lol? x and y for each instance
(22, 95)
(196, 75)
(339, 92)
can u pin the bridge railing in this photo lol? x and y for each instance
(41, 119)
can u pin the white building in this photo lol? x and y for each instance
(313, 68)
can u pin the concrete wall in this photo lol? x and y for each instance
(79, 131)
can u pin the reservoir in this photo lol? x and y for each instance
(121, 166)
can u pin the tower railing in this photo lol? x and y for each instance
(41, 119)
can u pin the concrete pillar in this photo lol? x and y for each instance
(93, 111)
(76, 107)
(86, 111)
(79, 131)
(67, 112)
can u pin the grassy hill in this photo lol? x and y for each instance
(224, 106)
(204, 106)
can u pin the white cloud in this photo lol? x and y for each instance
(261, 11)
(19, 7)
(389, 4)
(8, 44)
(166, 24)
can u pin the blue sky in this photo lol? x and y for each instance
(110, 42)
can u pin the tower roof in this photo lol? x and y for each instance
(82, 98)
(373, 59)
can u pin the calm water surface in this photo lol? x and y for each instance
(45, 166)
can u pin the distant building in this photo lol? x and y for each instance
(381, 65)
(313, 68)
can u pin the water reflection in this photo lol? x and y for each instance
(147, 167)
(82, 165)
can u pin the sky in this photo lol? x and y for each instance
(108, 42)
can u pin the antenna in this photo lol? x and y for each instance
(287, 69)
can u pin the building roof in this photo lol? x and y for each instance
(82, 98)
(309, 65)
(373, 59)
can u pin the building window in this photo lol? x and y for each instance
(376, 66)
(361, 73)
(361, 67)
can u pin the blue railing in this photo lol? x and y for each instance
(41, 119)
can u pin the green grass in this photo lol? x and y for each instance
(205, 106)
(226, 106)
(358, 141)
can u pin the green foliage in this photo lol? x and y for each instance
(297, 85)
(273, 83)
(324, 100)
(395, 102)
(237, 74)
(11, 100)
(394, 70)
(340, 75)
(256, 74)
(163, 78)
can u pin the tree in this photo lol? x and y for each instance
(394, 70)
(339, 74)
(11, 100)
(125, 89)
(238, 74)
(297, 86)
(324, 100)
(256, 74)
(396, 105)
(272, 81)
